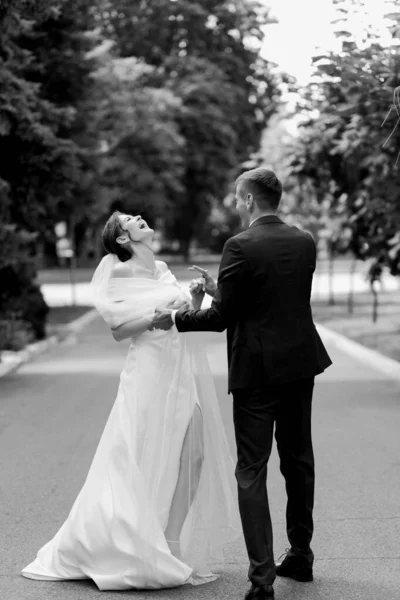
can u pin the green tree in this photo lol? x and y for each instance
(141, 165)
(370, 164)
(344, 136)
(62, 45)
(207, 55)
(207, 124)
(38, 169)
(227, 34)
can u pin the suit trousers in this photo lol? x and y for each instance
(255, 413)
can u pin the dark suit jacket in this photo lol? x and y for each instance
(263, 300)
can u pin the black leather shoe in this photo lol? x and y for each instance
(295, 567)
(259, 592)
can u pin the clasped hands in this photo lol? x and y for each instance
(205, 284)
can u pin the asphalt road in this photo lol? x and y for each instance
(53, 410)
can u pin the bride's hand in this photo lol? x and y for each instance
(210, 285)
(197, 289)
(178, 304)
(197, 286)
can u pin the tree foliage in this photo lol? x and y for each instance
(142, 163)
(146, 106)
(342, 146)
(40, 164)
(206, 56)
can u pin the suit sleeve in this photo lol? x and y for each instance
(226, 302)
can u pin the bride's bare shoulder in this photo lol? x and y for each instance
(162, 266)
(121, 270)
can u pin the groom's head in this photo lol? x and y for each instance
(258, 192)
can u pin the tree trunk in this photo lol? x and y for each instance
(350, 297)
(50, 258)
(72, 261)
(185, 250)
(375, 304)
(331, 266)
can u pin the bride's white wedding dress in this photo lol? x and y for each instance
(114, 533)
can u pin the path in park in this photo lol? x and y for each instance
(53, 410)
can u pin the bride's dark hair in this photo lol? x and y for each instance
(112, 230)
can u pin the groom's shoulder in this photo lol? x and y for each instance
(302, 232)
(236, 241)
(251, 235)
(241, 238)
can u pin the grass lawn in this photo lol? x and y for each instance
(382, 336)
(60, 316)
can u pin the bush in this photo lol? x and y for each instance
(23, 311)
(28, 307)
(15, 334)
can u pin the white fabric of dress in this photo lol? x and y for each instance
(114, 533)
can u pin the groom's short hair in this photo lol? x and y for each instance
(264, 185)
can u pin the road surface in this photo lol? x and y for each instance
(53, 410)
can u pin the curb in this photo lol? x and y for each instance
(68, 335)
(372, 358)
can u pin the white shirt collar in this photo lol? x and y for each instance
(260, 217)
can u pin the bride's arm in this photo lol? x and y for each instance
(138, 326)
(131, 329)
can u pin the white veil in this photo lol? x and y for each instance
(100, 280)
(122, 299)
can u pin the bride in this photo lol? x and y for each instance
(159, 501)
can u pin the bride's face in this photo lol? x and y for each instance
(136, 228)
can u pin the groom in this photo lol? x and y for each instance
(274, 353)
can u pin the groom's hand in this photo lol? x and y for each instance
(162, 320)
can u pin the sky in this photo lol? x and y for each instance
(304, 26)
